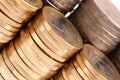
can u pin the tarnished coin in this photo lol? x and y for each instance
(100, 62)
(62, 30)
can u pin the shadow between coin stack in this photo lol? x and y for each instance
(114, 56)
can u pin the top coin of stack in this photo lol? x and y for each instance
(88, 64)
(13, 14)
(100, 22)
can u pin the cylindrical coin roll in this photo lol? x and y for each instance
(64, 5)
(88, 64)
(115, 57)
(13, 15)
(99, 21)
(43, 47)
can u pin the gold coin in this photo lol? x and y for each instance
(19, 64)
(68, 71)
(1, 77)
(11, 67)
(4, 38)
(6, 32)
(5, 72)
(24, 57)
(9, 21)
(64, 74)
(92, 70)
(19, 8)
(50, 41)
(10, 11)
(43, 38)
(35, 57)
(84, 68)
(100, 62)
(74, 72)
(79, 69)
(23, 14)
(62, 30)
(44, 47)
(43, 56)
(8, 27)
(30, 5)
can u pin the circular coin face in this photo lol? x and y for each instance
(100, 62)
(61, 27)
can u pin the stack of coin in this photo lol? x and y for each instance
(100, 22)
(114, 56)
(88, 64)
(13, 14)
(42, 48)
(63, 5)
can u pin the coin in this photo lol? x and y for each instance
(35, 59)
(6, 32)
(43, 46)
(8, 10)
(64, 6)
(68, 71)
(11, 67)
(64, 74)
(85, 27)
(4, 38)
(51, 42)
(100, 62)
(75, 73)
(24, 57)
(1, 78)
(100, 32)
(8, 27)
(112, 10)
(62, 30)
(99, 16)
(84, 68)
(19, 64)
(5, 72)
(30, 5)
(92, 70)
(9, 21)
(97, 27)
(79, 69)
(53, 64)
(44, 39)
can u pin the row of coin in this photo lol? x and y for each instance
(88, 64)
(41, 49)
(13, 14)
(99, 21)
